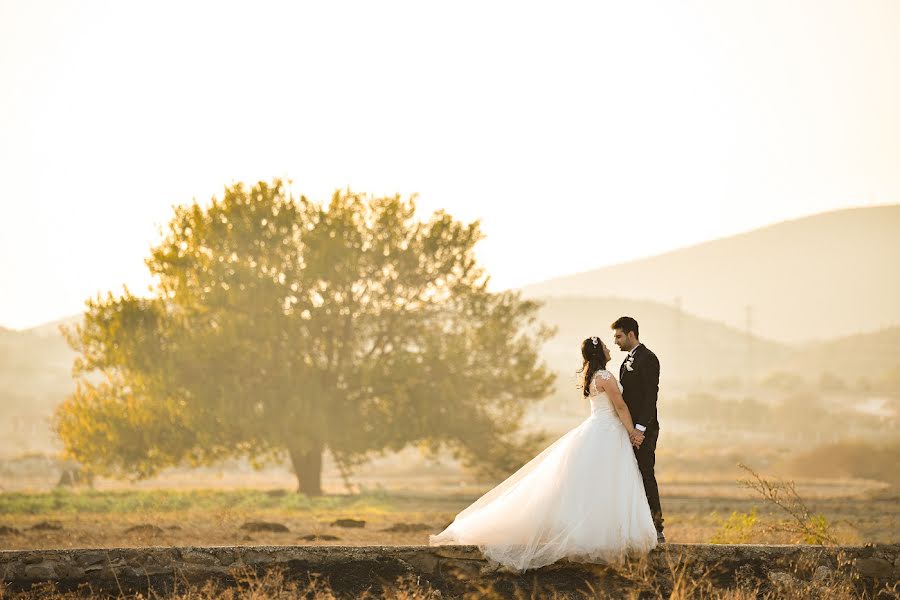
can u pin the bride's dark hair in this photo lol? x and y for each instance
(594, 360)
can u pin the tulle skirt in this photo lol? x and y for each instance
(582, 498)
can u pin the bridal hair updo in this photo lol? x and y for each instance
(594, 360)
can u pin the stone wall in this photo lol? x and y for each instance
(449, 570)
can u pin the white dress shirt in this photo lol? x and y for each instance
(637, 426)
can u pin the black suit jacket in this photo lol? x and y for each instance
(641, 387)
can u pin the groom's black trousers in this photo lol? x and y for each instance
(646, 459)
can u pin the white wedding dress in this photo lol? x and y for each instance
(582, 498)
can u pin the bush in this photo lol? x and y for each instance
(737, 529)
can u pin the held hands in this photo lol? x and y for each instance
(637, 438)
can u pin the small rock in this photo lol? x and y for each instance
(348, 523)
(174, 527)
(134, 560)
(325, 537)
(40, 572)
(873, 567)
(5, 530)
(33, 559)
(408, 527)
(145, 529)
(821, 574)
(91, 558)
(255, 557)
(277, 493)
(265, 526)
(47, 526)
(780, 578)
(68, 571)
(198, 557)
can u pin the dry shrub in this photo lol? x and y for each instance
(812, 528)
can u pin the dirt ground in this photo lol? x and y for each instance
(695, 512)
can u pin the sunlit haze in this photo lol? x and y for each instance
(581, 134)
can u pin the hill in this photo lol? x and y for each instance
(35, 376)
(824, 276)
(874, 356)
(690, 348)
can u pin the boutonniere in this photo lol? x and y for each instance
(628, 362)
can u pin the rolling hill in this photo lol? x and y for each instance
(35, 376)
(824, 276)
(869, 356)
(690, 348)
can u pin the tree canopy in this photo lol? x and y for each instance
(280, 325)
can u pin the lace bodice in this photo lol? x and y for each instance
(600, 402)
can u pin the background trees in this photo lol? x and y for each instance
(280, 325)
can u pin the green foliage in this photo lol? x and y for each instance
(278, 325)
(817, 530)
(736, 529)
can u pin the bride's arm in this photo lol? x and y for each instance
(611, 387)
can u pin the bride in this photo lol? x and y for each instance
(582, 498)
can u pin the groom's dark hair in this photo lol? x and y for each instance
(626, 324)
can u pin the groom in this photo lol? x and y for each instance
(639, 375)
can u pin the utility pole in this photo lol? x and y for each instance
(676, 329)
(749, 345)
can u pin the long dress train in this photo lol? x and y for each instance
(581, 498)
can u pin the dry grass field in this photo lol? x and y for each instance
(696, 511)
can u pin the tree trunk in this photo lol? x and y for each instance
(308, 469)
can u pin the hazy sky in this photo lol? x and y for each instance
(582, 134)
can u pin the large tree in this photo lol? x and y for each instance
(280, 325)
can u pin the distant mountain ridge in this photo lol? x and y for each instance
(819, 277)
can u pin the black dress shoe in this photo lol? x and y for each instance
(660, 538)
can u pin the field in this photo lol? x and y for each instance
(696, 511)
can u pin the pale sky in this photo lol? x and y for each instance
(582, 134)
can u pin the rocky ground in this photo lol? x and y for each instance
(671, 571)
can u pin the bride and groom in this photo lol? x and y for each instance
(591, 496)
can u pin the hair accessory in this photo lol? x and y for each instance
(595, 340)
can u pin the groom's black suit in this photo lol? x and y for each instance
(641, 388)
